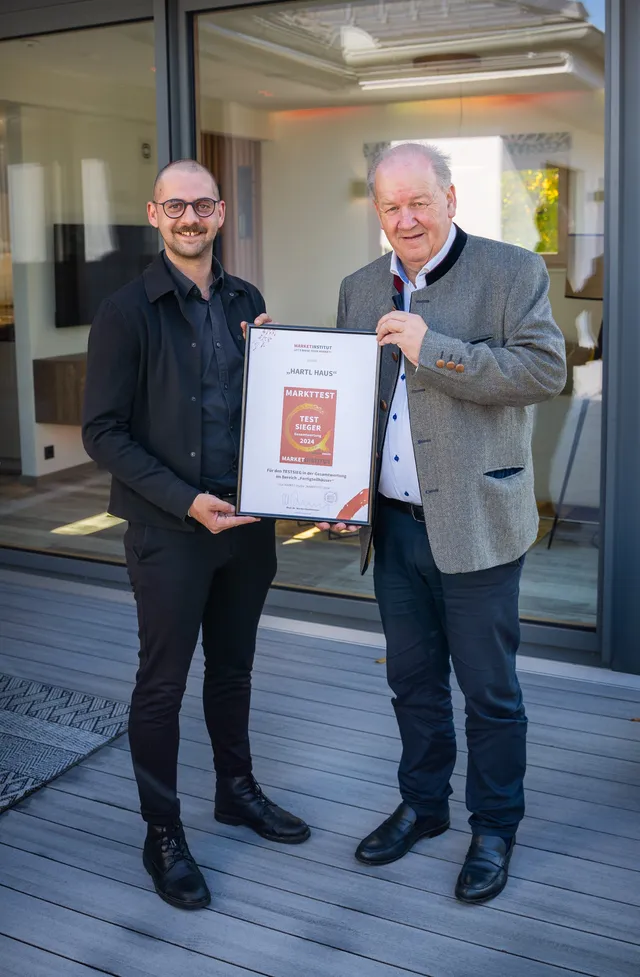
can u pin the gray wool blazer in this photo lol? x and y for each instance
(487, 308)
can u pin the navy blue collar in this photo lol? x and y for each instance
(159, 279)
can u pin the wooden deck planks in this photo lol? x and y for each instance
(74, 895)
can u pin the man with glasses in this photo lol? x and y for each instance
(162, 415)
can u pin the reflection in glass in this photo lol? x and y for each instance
(77, 164)
(294, 98)
(305, 93)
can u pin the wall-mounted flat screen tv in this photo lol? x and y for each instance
(90, 264)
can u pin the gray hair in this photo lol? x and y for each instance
(439, 161)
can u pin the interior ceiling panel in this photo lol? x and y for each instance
(308, 54)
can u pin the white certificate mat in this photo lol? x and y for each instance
(309, 424)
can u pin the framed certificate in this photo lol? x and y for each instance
(309, 424)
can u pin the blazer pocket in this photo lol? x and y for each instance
(482, 339)
(504, 472)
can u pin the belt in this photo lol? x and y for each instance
(225, 496)
(416, 511)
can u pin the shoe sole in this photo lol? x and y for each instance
(238, 822)
(175, 902)
(432, 833)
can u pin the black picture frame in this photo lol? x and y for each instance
(317, 330)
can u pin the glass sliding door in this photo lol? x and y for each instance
(293, 100)
(77, 165)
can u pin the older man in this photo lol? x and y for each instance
(469, 345)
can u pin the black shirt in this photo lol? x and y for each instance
(142, 418)
(222, 365)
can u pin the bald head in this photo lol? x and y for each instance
(183, 166)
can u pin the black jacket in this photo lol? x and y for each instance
(142, 409)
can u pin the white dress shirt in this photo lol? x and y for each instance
(398, 474)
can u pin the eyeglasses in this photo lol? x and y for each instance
(203, 207)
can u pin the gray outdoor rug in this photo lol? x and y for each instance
(45, 730)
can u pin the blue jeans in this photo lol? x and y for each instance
(432, 619)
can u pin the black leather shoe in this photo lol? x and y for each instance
(398, 834)
(176, 877)
(485, 870)
(239, 800)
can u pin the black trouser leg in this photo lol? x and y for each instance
(171, 574)
(483, 632)
(409, 594)
(473, 617)
(229, 627)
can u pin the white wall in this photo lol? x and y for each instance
(233, 119)
(48, 186)
(312, 221)
(315, 232)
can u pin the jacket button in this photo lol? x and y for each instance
(383, 405)
(193, 399)
(194, 345)
(193, 454)
(451, 365)
(460, 368)
(394, 357)
(440, 364)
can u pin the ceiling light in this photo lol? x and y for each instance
(355, 39)
(422, 81)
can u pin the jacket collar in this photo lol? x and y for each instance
(444, 261)
(159, 281)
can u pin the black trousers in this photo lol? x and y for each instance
(470, 619)
(181, 582)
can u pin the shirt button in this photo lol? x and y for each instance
(193, 454)
(193, 399)
(226, 386)
(218, 345)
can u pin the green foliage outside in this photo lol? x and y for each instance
(536, 193)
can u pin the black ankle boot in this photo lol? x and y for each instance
(239, 800)
(176, 877)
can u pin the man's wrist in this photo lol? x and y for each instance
(191, 507)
